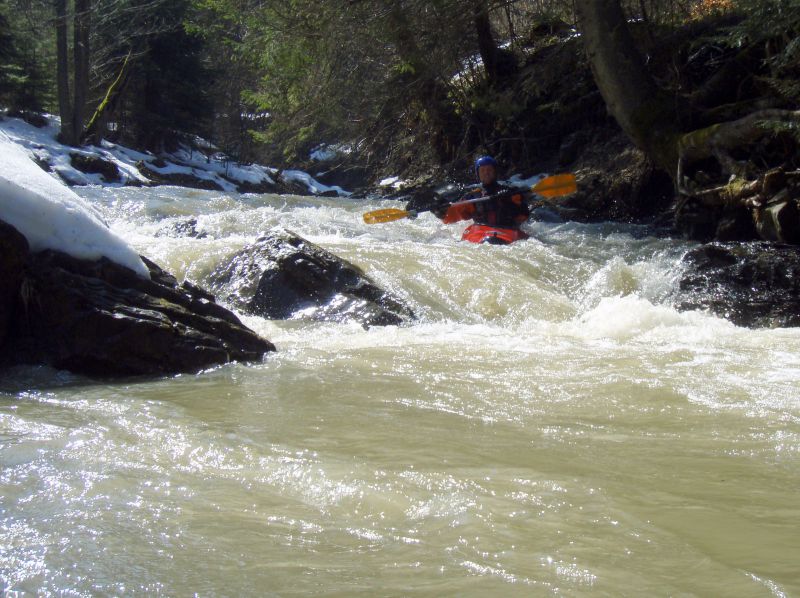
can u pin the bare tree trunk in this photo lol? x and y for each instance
(486, 43)
(62, 72)
(81, 52)
(646, 114)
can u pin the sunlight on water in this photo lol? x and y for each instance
(550, 426)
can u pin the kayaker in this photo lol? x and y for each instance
(506, 211)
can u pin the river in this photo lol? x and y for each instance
(550, 427)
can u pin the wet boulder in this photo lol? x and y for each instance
(179, 179)
(32, 117)
(187, 227)
(289, 186)
(283, 276)
(13, 251)
(91, 164)
(779, 220)
(755, 285)
(344, 175)
(264, 186)
(98, 318)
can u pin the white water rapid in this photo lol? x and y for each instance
(550, 427)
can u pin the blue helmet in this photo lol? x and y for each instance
(485, 161)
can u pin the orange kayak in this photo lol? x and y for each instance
(494, 235)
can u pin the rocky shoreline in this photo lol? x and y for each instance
(192, 164)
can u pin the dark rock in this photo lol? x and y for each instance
(571, 147)
(261, 187)
(774, 182)
(736, 224)
(283, 276)
(13, 250)
(182, 228)
(705, 219)
(136, 183)
(291, 187)
(615, 182)
(697, 220)
(751, 284)
(179, 179)
(345, 176)
(779, 220)
(31, 117)
(100, 319)
(42, 161)
(89, 164)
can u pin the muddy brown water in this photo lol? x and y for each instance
(550, 426)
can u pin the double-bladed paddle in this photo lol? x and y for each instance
(552, 186)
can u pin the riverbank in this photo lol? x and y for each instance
(616, 183)
(196, 164)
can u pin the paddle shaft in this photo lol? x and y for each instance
(411, 213)
(509, 193)
(559, 184)
(552, 186)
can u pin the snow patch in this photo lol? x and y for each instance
(51, 216)
(393, 181)
(216, 167)
(313, 186)
(518, 181)
(324, 151)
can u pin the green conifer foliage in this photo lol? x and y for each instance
(24, 81)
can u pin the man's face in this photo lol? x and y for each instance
(487, 174)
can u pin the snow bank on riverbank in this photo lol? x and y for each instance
(51, 216)
(218, 169)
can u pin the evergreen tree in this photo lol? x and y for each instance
(12, 76)
(169, 88)
(24, 83)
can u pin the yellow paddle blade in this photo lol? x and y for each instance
(385, 215)
(556, 185)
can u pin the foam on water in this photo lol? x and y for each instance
(550, 425)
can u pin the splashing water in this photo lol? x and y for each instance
(550, 426)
